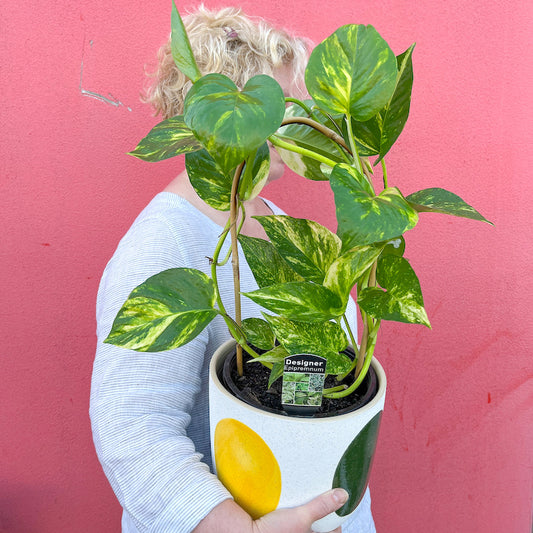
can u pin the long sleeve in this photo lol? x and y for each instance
(141, 403)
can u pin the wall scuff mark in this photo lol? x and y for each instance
(109, 99)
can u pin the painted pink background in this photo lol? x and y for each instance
(455, 453)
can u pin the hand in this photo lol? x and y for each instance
(299, 519)
(228, 517)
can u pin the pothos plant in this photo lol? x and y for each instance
(360, 98)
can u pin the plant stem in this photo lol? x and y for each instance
(340, 377)
(355, 153)
(385, 180)
(327, 392)
(335, 137)
(234, 208)
(276, 141)
(290, 100)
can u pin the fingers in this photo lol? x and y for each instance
(325, 503)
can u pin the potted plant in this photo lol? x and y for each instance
(360, 98)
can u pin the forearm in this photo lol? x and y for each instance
(227, 517)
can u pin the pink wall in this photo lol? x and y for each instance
(455, 449)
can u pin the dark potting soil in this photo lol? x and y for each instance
(254, 388)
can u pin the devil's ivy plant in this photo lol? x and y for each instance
(360, 97)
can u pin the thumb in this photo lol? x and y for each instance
(325, 503)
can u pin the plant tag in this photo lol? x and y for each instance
(303, 384)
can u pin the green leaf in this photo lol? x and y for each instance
(338, 363)
(318, 338)
(396, 112)
(364, 218)
(402, 301)
(167, 139)
(276, 355)
(208, 180)
(308, 138)
(255, 175)
(308, 247)
(368, 135)
(353, 470)
(395, 247)
(348, 268)
(181, 47)
(232, 123)
(442, 201)
(258, 333)
(166, 311)
(267, 266)
(299, 300)
(352, 72)
(275, 373)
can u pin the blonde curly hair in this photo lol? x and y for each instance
(228, 42)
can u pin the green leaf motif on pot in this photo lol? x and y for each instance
(208, 180)
(353, 470)
(232, 123)
(308, 247)
(258, 333)
(343, 274)
(437, 200)
(364, 218)
(181, 47)
(167, 139)
(352, 72)
(402, 300)
(265, 262)
(166, 311)
(317, 338)
(299, 300)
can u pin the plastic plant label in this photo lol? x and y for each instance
(303, 384)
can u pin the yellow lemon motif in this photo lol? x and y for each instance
(247, 467)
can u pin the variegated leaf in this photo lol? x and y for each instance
(338, 363)
(258, 332)
(308, 138)
(232, 123)
(167, 139)
(396, 112)
(364, 218)
(267, 266)
(308, 247)
(352, 72)
(275, 373)
(349, 267)
(181, 47)
(299, 300)
(166, 311)
(208, 180)
(401, 300)
(442, 201)
(255, 175)
(318, 338)
(276, 355)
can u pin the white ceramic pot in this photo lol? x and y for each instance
(269, 460)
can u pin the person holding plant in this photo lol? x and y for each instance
(149, 411)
